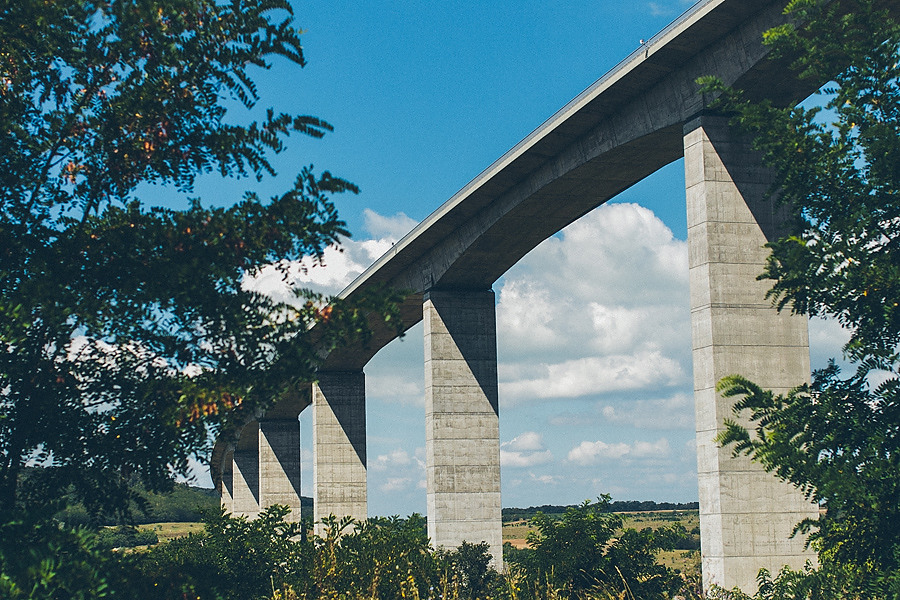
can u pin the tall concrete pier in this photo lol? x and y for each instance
(462, 439)
(339, 445)
(746, 515)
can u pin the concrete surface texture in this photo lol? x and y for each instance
(245, 472)
(462, 439)
(339, 445)
(746, 514)
(279, 465)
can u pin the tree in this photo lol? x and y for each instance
(585, 552)
(126, 333)
(837, 167)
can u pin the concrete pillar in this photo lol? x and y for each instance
(226, 491)
(245, 480)
(279, 465)
(339, 445)
(462, 443)
(746, 514)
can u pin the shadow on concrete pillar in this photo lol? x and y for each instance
(339, 445)
(245, 473)
(462, 444)
(746, 514)
(226, 490)
(279, 465)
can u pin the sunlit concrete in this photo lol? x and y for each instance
(462, 439)
(746, 515)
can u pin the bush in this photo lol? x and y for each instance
(124, 536)
(584, 553)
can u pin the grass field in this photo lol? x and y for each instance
(170, 531)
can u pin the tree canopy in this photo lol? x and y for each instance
(127, 333)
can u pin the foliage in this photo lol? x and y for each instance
(182, 504)
(41, 559)
(232, 558)
(471, 574)
(584, 552)
(517, 514)
(127, 334)
(838, 442)
(386, 558)
(837, 168)
(124, 536)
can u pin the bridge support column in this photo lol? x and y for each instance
(339, 445)
(226, 491)
(245, 474)
(462, 444)
(746, 514)
(279, 465)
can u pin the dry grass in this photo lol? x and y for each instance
(170, 531)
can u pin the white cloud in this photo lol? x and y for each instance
(590, 453)
(587, 453)
(395, 458)
(390, 228)
(545, 479)
(591, 375)
(524, 459)
(339, 266)
(397, 388)
(658, 449)
(602, 307)
(394, 484)
(527, 441)
(524, 450)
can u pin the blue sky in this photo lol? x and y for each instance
(593, 325)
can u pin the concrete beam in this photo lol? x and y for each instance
(339, 446)
(462, 442)
(746, 514)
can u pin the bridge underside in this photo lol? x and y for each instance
(638, 118)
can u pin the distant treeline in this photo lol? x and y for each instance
(517, 514)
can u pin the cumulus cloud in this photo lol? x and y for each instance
(338, 267)
(590, 453)
(545, 479)
(600, 308)
(669, 413)
(524, 459)
(390, 228)
(529, 440)
(395, 484)
(594, 375)
(397, 388)
(587, 453)
(524, 450)
(395, 458)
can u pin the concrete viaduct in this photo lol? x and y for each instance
(642, 115)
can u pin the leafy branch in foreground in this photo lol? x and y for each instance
(128, 334)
